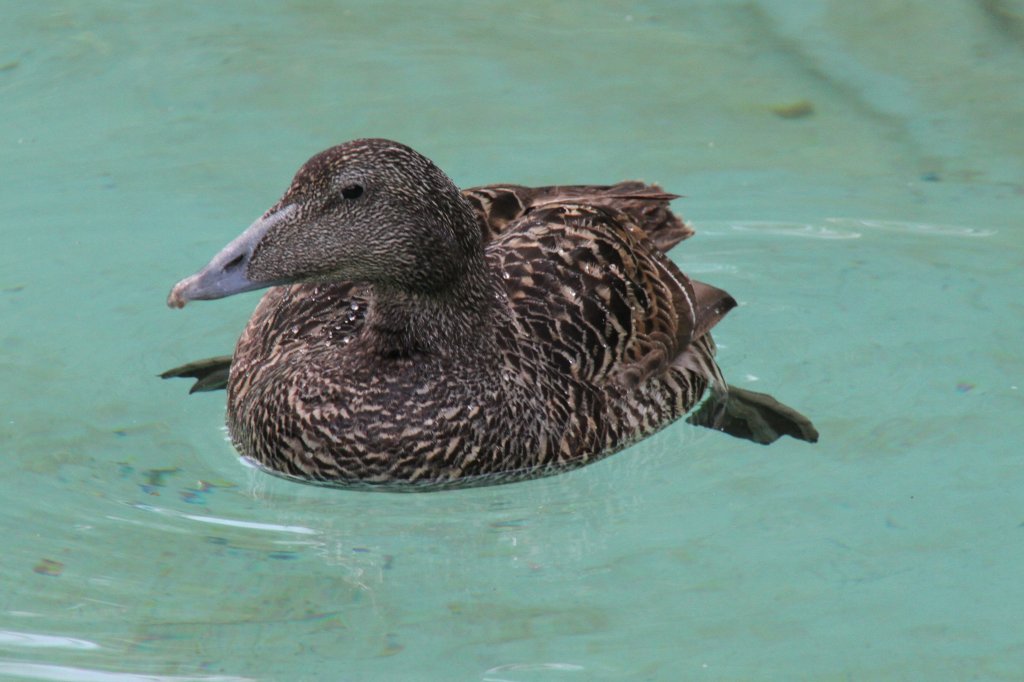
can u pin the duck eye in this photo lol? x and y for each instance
(352, 191)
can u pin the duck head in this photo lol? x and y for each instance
(371, 211)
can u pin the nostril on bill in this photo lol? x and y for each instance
(234, 262)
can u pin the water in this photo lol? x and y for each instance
(855, 175)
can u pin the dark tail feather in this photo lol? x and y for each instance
(210, 374)
(753, 416)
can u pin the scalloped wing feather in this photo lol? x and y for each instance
(593, 287)
(498, 206)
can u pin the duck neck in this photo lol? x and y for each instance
(455, 319)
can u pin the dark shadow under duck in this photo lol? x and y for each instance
(418, 337)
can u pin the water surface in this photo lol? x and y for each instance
(855, 173)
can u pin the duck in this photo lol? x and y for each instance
(419, 336)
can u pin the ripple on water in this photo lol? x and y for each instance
(783, 228)
(905, 227)
(846, 228)
(41, 671)
(33, 640)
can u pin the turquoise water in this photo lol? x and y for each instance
(855, 172)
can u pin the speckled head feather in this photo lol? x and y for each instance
(371, 210)
(419, 337)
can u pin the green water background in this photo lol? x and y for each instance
(855, 172)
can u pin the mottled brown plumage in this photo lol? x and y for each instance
(419, 337)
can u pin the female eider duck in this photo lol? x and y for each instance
(416, 336)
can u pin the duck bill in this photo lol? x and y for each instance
(226, 273)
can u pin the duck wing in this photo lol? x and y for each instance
(591, 284)
(612, 311)
(498, 206)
